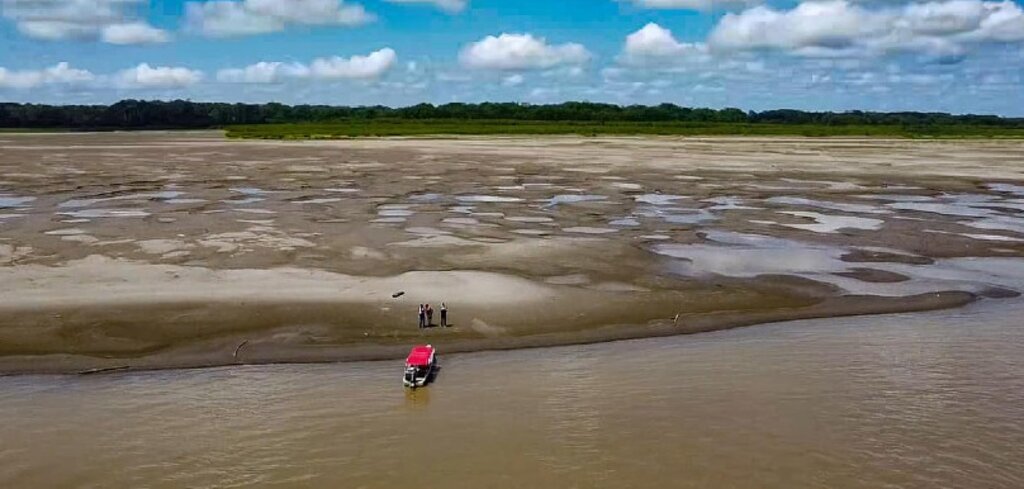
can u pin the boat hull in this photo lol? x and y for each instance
(419, 379)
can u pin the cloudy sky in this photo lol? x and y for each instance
(942, 55)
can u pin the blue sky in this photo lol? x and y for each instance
(942, 55)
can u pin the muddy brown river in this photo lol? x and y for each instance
(904, 401)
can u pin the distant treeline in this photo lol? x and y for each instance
(181, 114)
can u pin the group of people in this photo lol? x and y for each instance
(426, 315)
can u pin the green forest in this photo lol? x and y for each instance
(275, 120)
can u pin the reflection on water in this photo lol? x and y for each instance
(929, 400)
(7, 201)
(573, 199)
(105, 213)
(821, 204)
(140, 197)
(824, 223)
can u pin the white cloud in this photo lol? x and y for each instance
(831, 25)
(513, 80)
(655, 45)
(114, 21)
(693, 4)
(227, 18)
(260, 73)
(450, 6)
(366, 67)
(58, 74)
(65, 74)
(360, 67)
(56, 30)
(145, 76)
(840, 28)
(134, 33)
(521, 52)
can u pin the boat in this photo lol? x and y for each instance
(420, 366)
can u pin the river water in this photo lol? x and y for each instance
(919, 401)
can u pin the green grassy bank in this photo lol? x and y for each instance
(396, 127)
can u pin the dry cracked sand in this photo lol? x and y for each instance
(161, 250)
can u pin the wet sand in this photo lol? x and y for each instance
(163, 250)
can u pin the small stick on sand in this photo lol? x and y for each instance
(675, 321)
(239, 348)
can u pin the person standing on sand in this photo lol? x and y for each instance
(423, 316)
(444, 315)
(430, 315)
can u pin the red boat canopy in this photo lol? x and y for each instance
(420, 356)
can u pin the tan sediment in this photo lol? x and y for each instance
(295, 249)
(106, 311)
(102, 313)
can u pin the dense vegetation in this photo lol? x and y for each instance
(405, 127)
(283, 121)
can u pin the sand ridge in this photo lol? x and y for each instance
(171, 249)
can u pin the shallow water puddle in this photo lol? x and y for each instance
(243, 201)
(1002, 205)
(1007, 188)
(487, 199)
(943, 208)
(697, 217)
(823, 204)
(106, 213)
(749, 255)
(824, 223)
(160, 196)
(249, 190)
(573, 199)
(983, 237)
(728, 203)
(395, 210)
(425, 198)
(624, 222)
(658, 199)
(320, 200)
(962, 205)
(8, 201)
(186, 201)
(627, 186)
(1002, 223)
(65, 232)
(897, 197)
